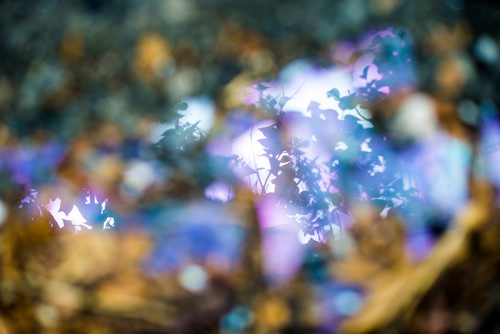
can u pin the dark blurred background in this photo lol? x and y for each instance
(117, 216)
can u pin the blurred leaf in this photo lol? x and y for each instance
(364, 75)
(181, 106)
(261, 87)
(348, 102)
(334, 93)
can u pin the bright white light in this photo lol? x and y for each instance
(157, 130)
(342, 146)
(53, 208)
(219, 191)
(364, 145)
(200, 109)
(108, 223)
(193, 278)
(75, 216)
(248, 148)
(77, 219)
(303, 83)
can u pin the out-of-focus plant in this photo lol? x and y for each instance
(321, 160)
